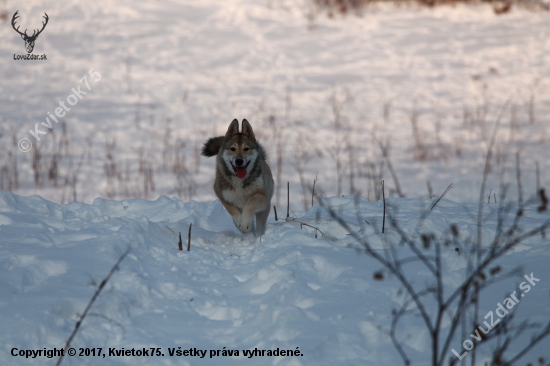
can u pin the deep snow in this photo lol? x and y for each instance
(201, 64)
(287, 289)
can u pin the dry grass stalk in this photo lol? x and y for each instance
(385, 148)
(443, 195)
(91, 302)
(287, 200)
(384, 216)
(313, 189)
(188, 238)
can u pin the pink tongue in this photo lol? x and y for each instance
(241, 172)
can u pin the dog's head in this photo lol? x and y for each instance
(240, 149)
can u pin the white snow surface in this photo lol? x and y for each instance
(202, 63)
(284, 290)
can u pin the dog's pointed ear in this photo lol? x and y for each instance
(247, 130)
(232, 130)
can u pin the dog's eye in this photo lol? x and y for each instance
(233, 149)
(246, 149)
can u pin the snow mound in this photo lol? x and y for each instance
(296, 286)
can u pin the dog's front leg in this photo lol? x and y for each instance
(261, 218)
(234, 211)
(256, 203)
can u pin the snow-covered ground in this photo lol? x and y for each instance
(285, 290)
(201, 64)
(173, 73)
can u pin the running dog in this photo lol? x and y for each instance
(244, 183)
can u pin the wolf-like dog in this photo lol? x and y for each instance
(244, 183)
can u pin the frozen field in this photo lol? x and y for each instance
(326, 97)
(287, 290)
(431, 82)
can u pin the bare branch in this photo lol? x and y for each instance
(92, 300)
(443, 195)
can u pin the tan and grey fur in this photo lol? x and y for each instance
(242, 197)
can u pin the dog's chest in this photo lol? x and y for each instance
(239, 195)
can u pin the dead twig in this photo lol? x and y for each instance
(92, 300)
(313, 190)
(305, 224)
(518, 177)
(189, 238)
(443, 195)
(385, 153)
(287, 200)
(384, 218)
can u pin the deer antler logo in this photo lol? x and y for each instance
(29, 40)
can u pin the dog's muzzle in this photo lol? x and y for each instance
(239, 169)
